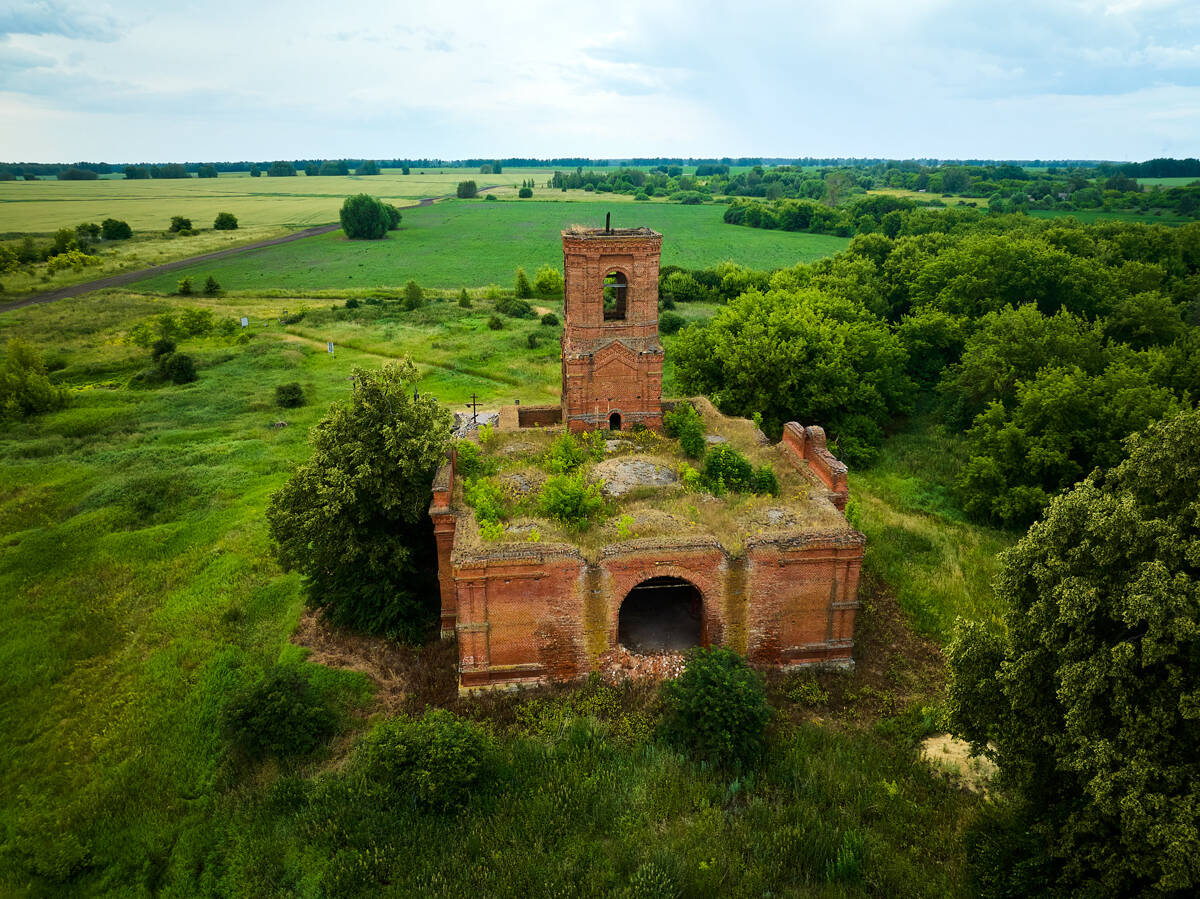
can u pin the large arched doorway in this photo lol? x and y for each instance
(663, 614)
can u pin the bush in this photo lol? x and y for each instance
(717, 709)
(765, 481)
(550, 320)
(115, 229)
(495, 322)
(351, 303)
(516, 308)
(572, 501)
(393, 216)
(195, 322)
(485, 495)
(523, 290)
(179, 368)
(464, 299)
(727, 469)
(414, 297)
(280, 714)
(548, 281)
(24, 387)
(164, 346)
(211, 287)
(567, 452)
(685, 424)
(433, 762)
(185, 288)
(225, 221)
(670, 322)
(289, 396)
(525, 193)
(532, 339)
(363, 218)
(467, 190)
(179, 223)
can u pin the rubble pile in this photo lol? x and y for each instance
(620, 664)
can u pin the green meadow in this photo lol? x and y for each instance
(137, 590)
(474, 242)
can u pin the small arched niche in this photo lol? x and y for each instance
(614, 421)
(662, 614)
(616, 288)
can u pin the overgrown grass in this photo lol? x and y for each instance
(137, 591)
(918, 540)
(474, 243)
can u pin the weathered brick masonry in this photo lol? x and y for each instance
(532, 612)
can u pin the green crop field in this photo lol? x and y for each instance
(475, 243)
(1167, 182)
(1091, 216)
(43, 206)
(137, 590)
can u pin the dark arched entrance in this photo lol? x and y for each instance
(614, 421)
(663, 614)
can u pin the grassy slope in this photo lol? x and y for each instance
(136, 590)
(473, 243)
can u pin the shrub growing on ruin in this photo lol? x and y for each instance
(289, 396)
(685, 424)
(717, 710)
(727, 469)
(433, 762)
(570, 500)
(568, 452)
(363, 218)
(280, 714)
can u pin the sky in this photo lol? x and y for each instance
(144, 80)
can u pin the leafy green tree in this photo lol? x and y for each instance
(550, 320)
(685, 425)
(717, 709)
(364, 218)
(523, 290)
(393, 215)
(211, 287)
(24, 388)
(799, 355)
(670, 322)
(1145, 320)
(281, 169)
(185, 288)
(77, 174)
(136, 172)
(1087, 698)
(179, 368)
(353, 518)
(464, 299)
(115, 229)
(206, 171)
(467, 190)
(548, 281)
(1062, 424)
(179, 223)
(225, 221)
(525, 193)
(255, 172)
(334, 167)
(369, 167)
(414, 296)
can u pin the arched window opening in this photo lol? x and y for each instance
(615, 289)
(614, 421)
(663, 614)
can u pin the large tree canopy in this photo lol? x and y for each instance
(354, 518)
(1090, 699)
(799, 355)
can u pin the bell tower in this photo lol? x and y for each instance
(611, 359)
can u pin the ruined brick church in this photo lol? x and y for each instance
(774, 578)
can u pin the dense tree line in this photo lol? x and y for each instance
(1043, 342)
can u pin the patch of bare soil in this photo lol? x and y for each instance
(406, 678)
